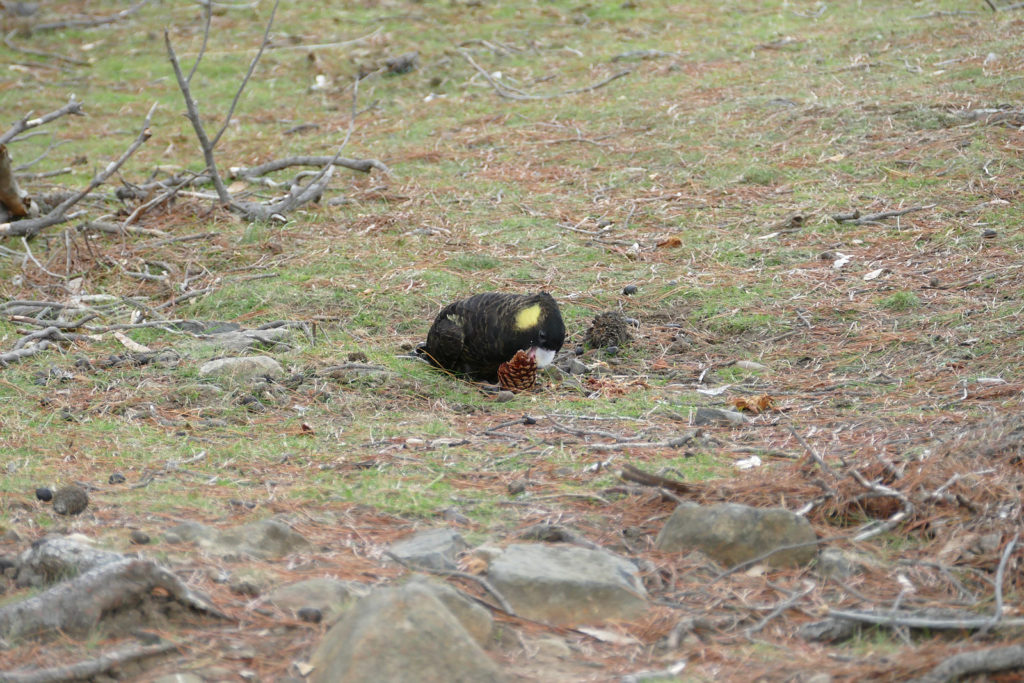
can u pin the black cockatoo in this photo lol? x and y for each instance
(475, 336)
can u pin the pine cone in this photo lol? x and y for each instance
(518, 374)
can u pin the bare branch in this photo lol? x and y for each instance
(248, 74)
(361, 165)
(32, 226)
(206, 37)
(508, 93)
(89, 668)
(72, 107)
(197, 124)
(85, 21)
(979, 661)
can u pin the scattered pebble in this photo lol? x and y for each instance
(629, 290)
(989, 233)
(139, 537)
(504, 396)
(516, 487)
(116, 478)
(44, 494)
(611, 350)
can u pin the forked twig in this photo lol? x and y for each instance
(31, 226)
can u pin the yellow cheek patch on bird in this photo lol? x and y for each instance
(528, 317)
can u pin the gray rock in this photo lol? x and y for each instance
(242, 369)
(400, 634)
(477, 621)
(840, 564)
(710, 416)
(266, 539)
(432, 549)
(568, 585)
(179, 678)
(576, 367)
(330, 596)
(732, 534)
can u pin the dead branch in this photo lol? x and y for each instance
(86, 21)
(197, 125)
(248, 74)
(979, 661)
(73, 107)
(39, 53)
(677, 442)
(361, 165)
(873, 529)
(89, 668)
(31, 226)
(874, 218)
(76, 606)
(40, 339)
(913, 619)
(511, 94)
(997, 614)
(618, 438)
(637, 475)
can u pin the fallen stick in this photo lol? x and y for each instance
(76, 606)
(874, 218)
(509, 94)
(89, 668)
(978, 661)
(638, 476)
(85, 22)
(362, 165)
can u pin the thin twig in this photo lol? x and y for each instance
(248, 75)
(73, 107)
(85, 22)
(32, 226)
(509, 93)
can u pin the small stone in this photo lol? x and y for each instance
(70, 500)
(989, 233)
(358, 357)
(611, 351)
(44, 494)
(504, 396)
(516, 487)
(116, 478)
(576, 367)
(310, 615)
(630, 290)
(139, 537)
(827, 256)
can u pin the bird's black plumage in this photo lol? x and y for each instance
(474, 336)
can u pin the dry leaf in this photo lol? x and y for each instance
(670, 243)
(760, 404)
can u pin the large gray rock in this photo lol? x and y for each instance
(400, 634)
(329, 596)
(431, 549)
(477, 621)
(265, 539)
(242, 369)
(568, 585)
(731, 534)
